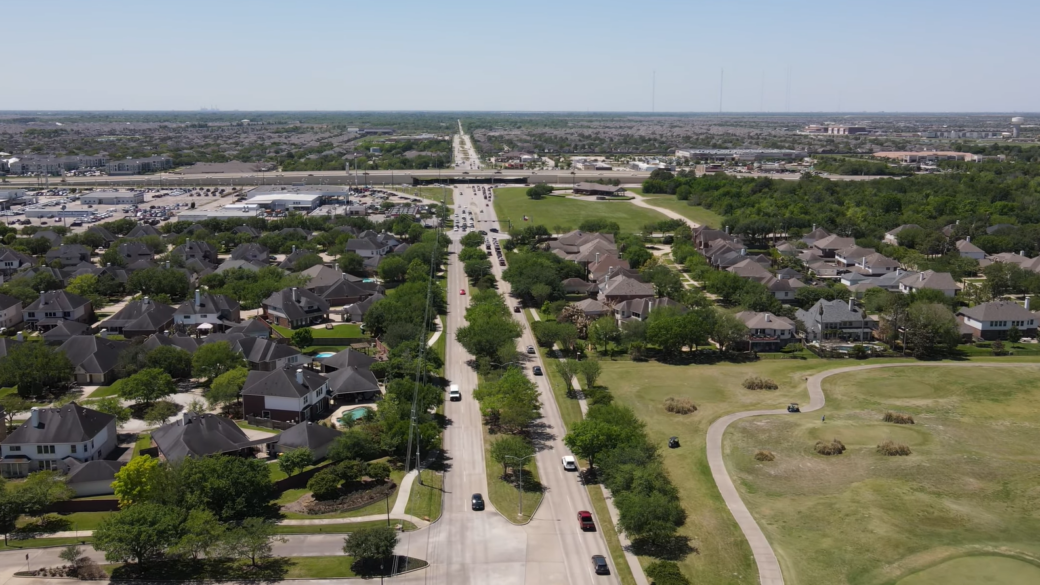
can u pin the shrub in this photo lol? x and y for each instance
(893, 449)
(666, 573)
(757, 383)
(897, 418)
(765, 456)
(679, 405)
(324, 485)
(835, 447)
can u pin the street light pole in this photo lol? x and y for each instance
(520, 483)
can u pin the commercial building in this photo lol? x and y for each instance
(136, 166)
(835, 129)
(927, 156)
(295, 198)
(243, 212)
(113, 198)
(71, 213)
(738, 154)
(36, 164)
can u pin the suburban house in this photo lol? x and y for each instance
(57, 305)
(766, 331)
(290, 259)
(577, 286)
(265, 354)
(108, 237)
(353, 382)
(249, 231)
(143, 230)
(833, 320)
(10, 312)
(206, 311)
(94, 358)
(853, 255)
(133, 251)
(285, 395)
(64, 331)
(942, 281)
(12, 260)
(623, 288)
(346, 292)
(892, 236)
(749, 268)
(782, 289)
(200, 435)
(183, 342)
(787, 249)
(232, 264)
(830, 245)
(53, 434)
(571, 245)
(50, 236)
(252, 328)
(816, 234)
(307, 435)
(877, 264)
(252, 252)
(640, 309)
(69, 254)
(593, 308)
(968, 250)
(368, 247)
(356, 312)
(140, 319)
(295, 307)
(196, 250)
(992, 320)
(91, 478)
(320, 277)
(605, 267)
(346, 359)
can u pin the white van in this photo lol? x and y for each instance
(454, 394)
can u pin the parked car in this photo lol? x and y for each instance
(477, 502)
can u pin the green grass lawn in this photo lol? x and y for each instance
(344, 528)
(504, 496)
(41, 542)
(431, 193)
(378, 507)
(8, 391)
(339, 330)
(244, 425)
(424, 501)
(144, 441)
(694, 213)
(270, 570)
(567, 213)
(570, 409)
(969, 486)
(104, 392)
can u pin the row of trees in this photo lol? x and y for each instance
(490, 333)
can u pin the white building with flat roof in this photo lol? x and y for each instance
(112, 198)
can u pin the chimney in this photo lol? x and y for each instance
(198, 298)
(597, 257)
(967, 239)
(42, 300)
(167, 264)
(20, 336)
(295, 295)
(108, 265)
(727, 230)
(186, 417)
(1027, 303)
(34, 418)
(299, 375)
(851, 308)
(1022, 253)
(147, 301)
(814, 227)
(767, 318)
(920, 276)
(743, 251)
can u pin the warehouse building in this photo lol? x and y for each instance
(295, 198)
(112, 198)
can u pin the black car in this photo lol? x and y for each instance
(478, 502)
(673, 442)
(537, 370)
(494, 230)
(599, 564)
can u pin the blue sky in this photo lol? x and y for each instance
(569, 55)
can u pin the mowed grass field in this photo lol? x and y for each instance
(566, 213)
(961, 509)
(694, 213)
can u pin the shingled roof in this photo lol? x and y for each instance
(71, 423)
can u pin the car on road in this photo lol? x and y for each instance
(569, 463)
(516, 308)
(530, 349)
(585, 521)
(462, 291)
(494, 230)
(454, 394)
(599, 564)
(537, 370)
(477, 502)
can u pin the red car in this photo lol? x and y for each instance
(585, 520)
(462, 291)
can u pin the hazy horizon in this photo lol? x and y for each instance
(808, 56)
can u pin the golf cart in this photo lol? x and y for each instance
(793, 407)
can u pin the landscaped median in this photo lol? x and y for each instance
(274, 569)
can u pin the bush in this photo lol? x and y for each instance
(835, 447)
(679, 405)
(893, 449)
(897, 418)
(765, 456)
(324, 485)
(666, 573)
(757, 383)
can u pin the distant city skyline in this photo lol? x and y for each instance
(806, 56)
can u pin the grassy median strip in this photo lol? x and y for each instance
(570, 408)
(425, 500)
(503, 495)
(599, 504)
(42, 542)
(342, 528)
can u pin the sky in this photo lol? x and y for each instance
(537, 55)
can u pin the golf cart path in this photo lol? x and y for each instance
(768, 566)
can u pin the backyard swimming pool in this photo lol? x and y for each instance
(354, 414)
(324, 354)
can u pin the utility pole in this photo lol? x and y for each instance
(722, 74)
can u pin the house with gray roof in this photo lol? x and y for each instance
(346, 292)
(345, 359)
(255, 327)
(184, 342)
(640, 309)
(593, 309)
(308, 435)
(295, 307)
(201, 435)
(830, 245)
(196, 250)
(64, 331)
(766, 331)
(106, 235)
(10, 312)
(321, 277)
(836, 320)
(624, 288)
(50, 236)
(286, 395)
(55, 306)
(994, 319)
(355, 312)
(69, 254)
(91, 478)
(892, 236)
(232, 264)
(353, 383)
(94, 358)
(133, 251)
(51, 435)
(216, 311)
(816, 234)
(143, 230)
(13, 260)
(968, 250)
(140, 319)
(251, 251)
(929, 279)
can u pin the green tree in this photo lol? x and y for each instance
(354, 444)
(1014, 335)
(139, 534)
(200, 534)
(296, 460)
(252, 540)
(160, 412)
(36, 369)
(666, 573)
(378, 471)
(727, 330)
(172, 360)
(508, 450)
(539, 191)
(589, 438)
(369, 546)
(303, 337)
(213, 359)
(604, 331)
(393, 269)
(932, 330)
(138, 481)
(227, 387)
(590, 370)
(352, 263)
(324, 485)
(472, 240)
(14, 405)
(147, 386)
(232, 488)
